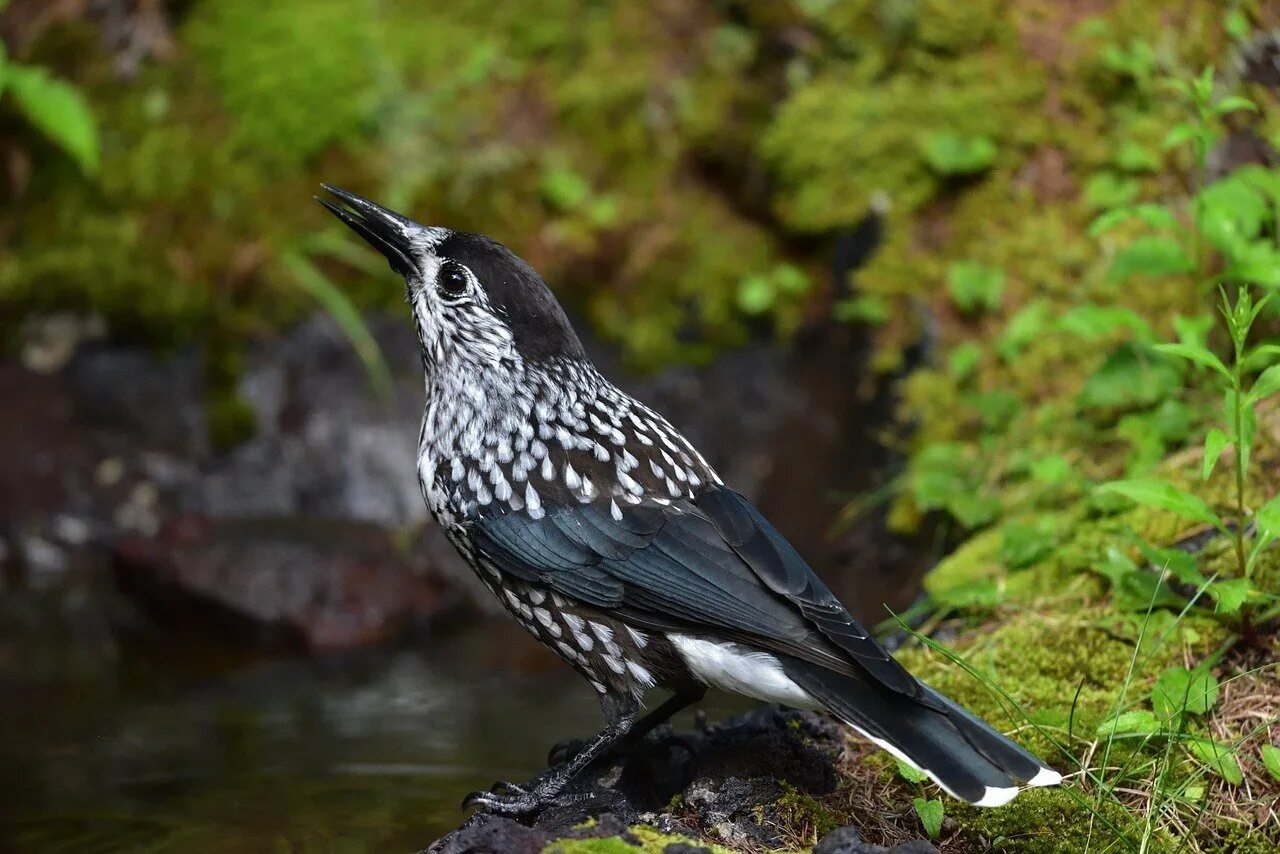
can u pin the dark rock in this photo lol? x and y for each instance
(727, 778)
(117, 389)
(844, 840)
(685, 848)
(489, 834)
(847, 840)
(118, 441)
(314, 584)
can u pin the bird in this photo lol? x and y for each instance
(608, 536)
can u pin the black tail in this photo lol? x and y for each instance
(959, 752)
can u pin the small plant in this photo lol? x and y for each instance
(1179, 694)
(974, 286)
(1231, 216)
(931, 813)
(760, 293)
(53, 107)
(950, 153)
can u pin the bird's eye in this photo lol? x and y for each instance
(452, 279)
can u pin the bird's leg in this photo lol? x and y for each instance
(566, 750)
(619, 715)
(671, 706)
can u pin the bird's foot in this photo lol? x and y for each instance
(503, 798)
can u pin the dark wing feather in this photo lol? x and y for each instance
(714, 564)
(780, 567)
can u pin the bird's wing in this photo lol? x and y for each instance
(711, 563)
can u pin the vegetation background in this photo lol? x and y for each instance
(1077, 213)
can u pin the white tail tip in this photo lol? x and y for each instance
(1046, 777)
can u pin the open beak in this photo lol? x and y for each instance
(383, 229)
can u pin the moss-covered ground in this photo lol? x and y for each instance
(670, 167)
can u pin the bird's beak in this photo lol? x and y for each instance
(385, 230)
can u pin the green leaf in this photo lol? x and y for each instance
(1267, 384)
(1133, 157)
(1179, 690)
(868, 308)
(1165, 496)
(1268, 518)
(756, 294)
(1193, 330)
(911, 775)
(790, 279)
(1197, 353)
(1236, 25)
(1136, 722)
(965, 359)
(1217, 757)
(1233, 104)
(1095, 321)
(1261, 356)
(564, 189)
(1178, 563)
(1028, 324)
(1230, 594)
(975, 286)
(1271, 760)
(1023, 545)
(1130, 377)
(1109, 190)
(950, 153)
(1150, 255)
(931, 813)
(1052, 469)
(973, 510)
(1156, 216)
(59, 111)
(1179, 135)
(1215, 442)
(1133, 589)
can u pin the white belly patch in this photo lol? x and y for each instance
(740, 670)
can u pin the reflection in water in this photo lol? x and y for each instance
(372, 752)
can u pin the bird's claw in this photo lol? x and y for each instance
(502, 797)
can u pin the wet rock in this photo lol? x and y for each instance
(486, 834)
(728, 779)
(155, 401)
(319, 585)
(847, 840)
(685, 848)
(117, 439)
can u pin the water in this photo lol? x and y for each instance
(367, 752)
(114, 737)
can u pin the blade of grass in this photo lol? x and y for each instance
(346, 315)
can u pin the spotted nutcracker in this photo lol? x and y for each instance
(608, 536)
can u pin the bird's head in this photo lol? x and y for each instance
(475, 302)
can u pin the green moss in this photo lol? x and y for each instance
(845, 135)
(650, 841)
(1049, 821)
(801, 814)
(296, 75)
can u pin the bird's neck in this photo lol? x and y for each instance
(476, 405)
